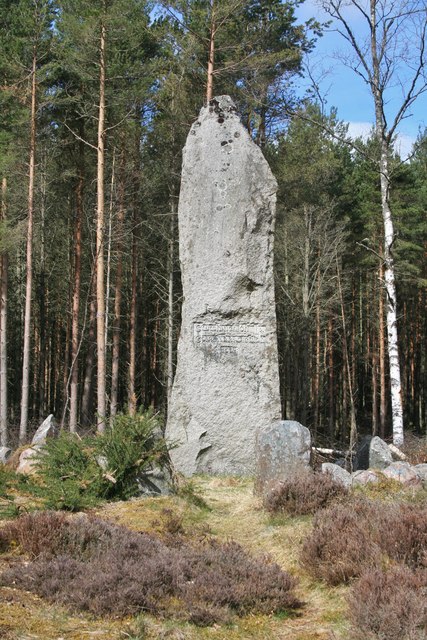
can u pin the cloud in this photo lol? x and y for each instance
(403, 144)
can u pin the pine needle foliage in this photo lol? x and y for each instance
(77, 473)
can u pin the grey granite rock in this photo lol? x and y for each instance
(282, 450)
(226, 386)
(155, 482)
(364, 476)
(379, 454)
(5, 454)
(28, 459)
(404, 473)
(338, 473)
(46, 430)
(421, 470)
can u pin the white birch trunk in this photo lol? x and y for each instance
(389, 279)
(390, 287)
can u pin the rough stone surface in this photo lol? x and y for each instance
(403, 472)
(27, 460)
(364, 476)
(156, 482)
(338, 473)
(379, 454)
(226, 385)
(5, 454)
(281, 450)
(421, 470)
(46, 430)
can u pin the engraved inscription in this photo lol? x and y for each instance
(226, 334)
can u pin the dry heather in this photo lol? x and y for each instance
(233, 514)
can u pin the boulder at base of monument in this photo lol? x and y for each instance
(5, 454)
(379, 454)
(282, 450)
(226, 386)
(404, 473)
(338, 473)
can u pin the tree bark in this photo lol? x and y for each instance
(389, 277)
(74, 395)
(171, 261)
(86, 411)
(3, 329)
(132, 330)
(29, 259)
(100, 288)
(118, 294)
(211, 56)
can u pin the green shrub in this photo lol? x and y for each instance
(8, 508)
(71, 477)
(130, 446)
(77, 473)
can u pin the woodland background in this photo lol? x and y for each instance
(96, 102)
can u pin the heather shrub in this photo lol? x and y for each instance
(304, 494)
(94, 566)
(389, 605)
(404, 534)
(34, 533)
(340, 546)
(347, 539)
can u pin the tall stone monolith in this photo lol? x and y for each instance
(226, 386)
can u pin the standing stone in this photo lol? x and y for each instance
(226, 385)
(47, 429)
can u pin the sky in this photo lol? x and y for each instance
(343, 89)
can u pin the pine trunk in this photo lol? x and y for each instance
(211, 56)
(100, 288)
(118, 295)
(132, 330)
(29, 260)
(74, 395)
(3, 329)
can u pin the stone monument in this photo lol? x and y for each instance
(226, 386)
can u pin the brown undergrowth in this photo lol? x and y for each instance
(232, 514)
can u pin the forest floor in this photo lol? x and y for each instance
(233, 513)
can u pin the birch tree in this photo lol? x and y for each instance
(388, 53)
